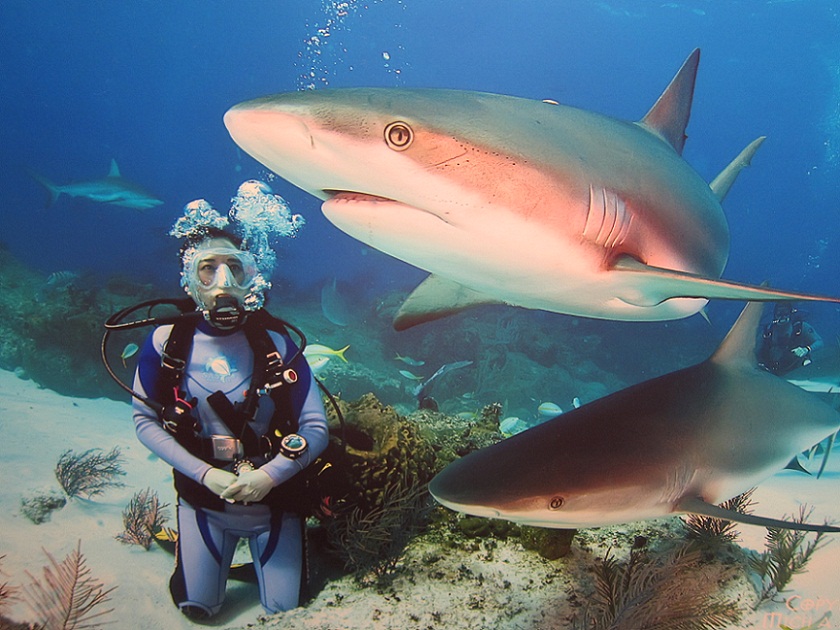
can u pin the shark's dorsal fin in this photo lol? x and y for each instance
(723, 182)
(738, 347)
(668, 117)
(695, 505)
(437, 297)
(115, 170)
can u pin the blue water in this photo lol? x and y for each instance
(148, 82)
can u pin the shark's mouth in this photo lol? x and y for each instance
(342, 201)
(350, 196)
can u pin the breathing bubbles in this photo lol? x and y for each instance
(261, 215)
(325, 47)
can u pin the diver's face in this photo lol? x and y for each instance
(217, 267)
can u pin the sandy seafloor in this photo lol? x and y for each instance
(491, 586)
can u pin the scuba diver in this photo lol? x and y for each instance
(787, 341)
(225, 397)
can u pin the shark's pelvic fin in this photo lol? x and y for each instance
(723, 182)
(437, 297)
(668, 117)
(695, 505)
(115, 170)
(675, 284)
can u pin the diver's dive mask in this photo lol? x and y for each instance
(223, 268)
(223, 280)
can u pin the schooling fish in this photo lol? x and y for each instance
(683, 442)
(411, 375)
(409, 360)
(549, 410)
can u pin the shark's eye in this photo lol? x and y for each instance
(398, 135)
(556, 503)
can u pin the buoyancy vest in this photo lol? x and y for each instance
(287, 384)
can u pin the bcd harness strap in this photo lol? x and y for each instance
(269, 375)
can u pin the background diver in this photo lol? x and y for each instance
(788, 341)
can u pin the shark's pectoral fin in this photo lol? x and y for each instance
(696, 505)
(794, 464)
(664, 284)
(826, 453)
(437, 297)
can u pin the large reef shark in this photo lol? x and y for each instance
(683, 442)
(113, 189)
(510, 200)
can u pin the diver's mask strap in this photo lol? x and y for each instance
(227, 314)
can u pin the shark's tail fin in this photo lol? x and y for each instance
(52, 189)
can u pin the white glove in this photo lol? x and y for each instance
(217, 480)
(800, 351)
(250, 486)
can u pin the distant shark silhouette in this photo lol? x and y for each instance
(682, 442)
(112, 189)
(509, 200)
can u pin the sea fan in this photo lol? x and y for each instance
(710, 532)
(787, 553)
(143, 516)
(69, 597)
(89, 473)
(656, 594)
(8, 594)
(373, 540)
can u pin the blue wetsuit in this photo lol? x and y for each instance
(224, 362)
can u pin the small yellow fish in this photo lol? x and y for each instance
(317, 363)
(411, 376)
(167, 534)
(129, 351)
(316, 350)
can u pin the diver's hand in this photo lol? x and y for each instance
(250, 486)
(217, 480)
(800, 351)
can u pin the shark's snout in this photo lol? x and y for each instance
(262, 131)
